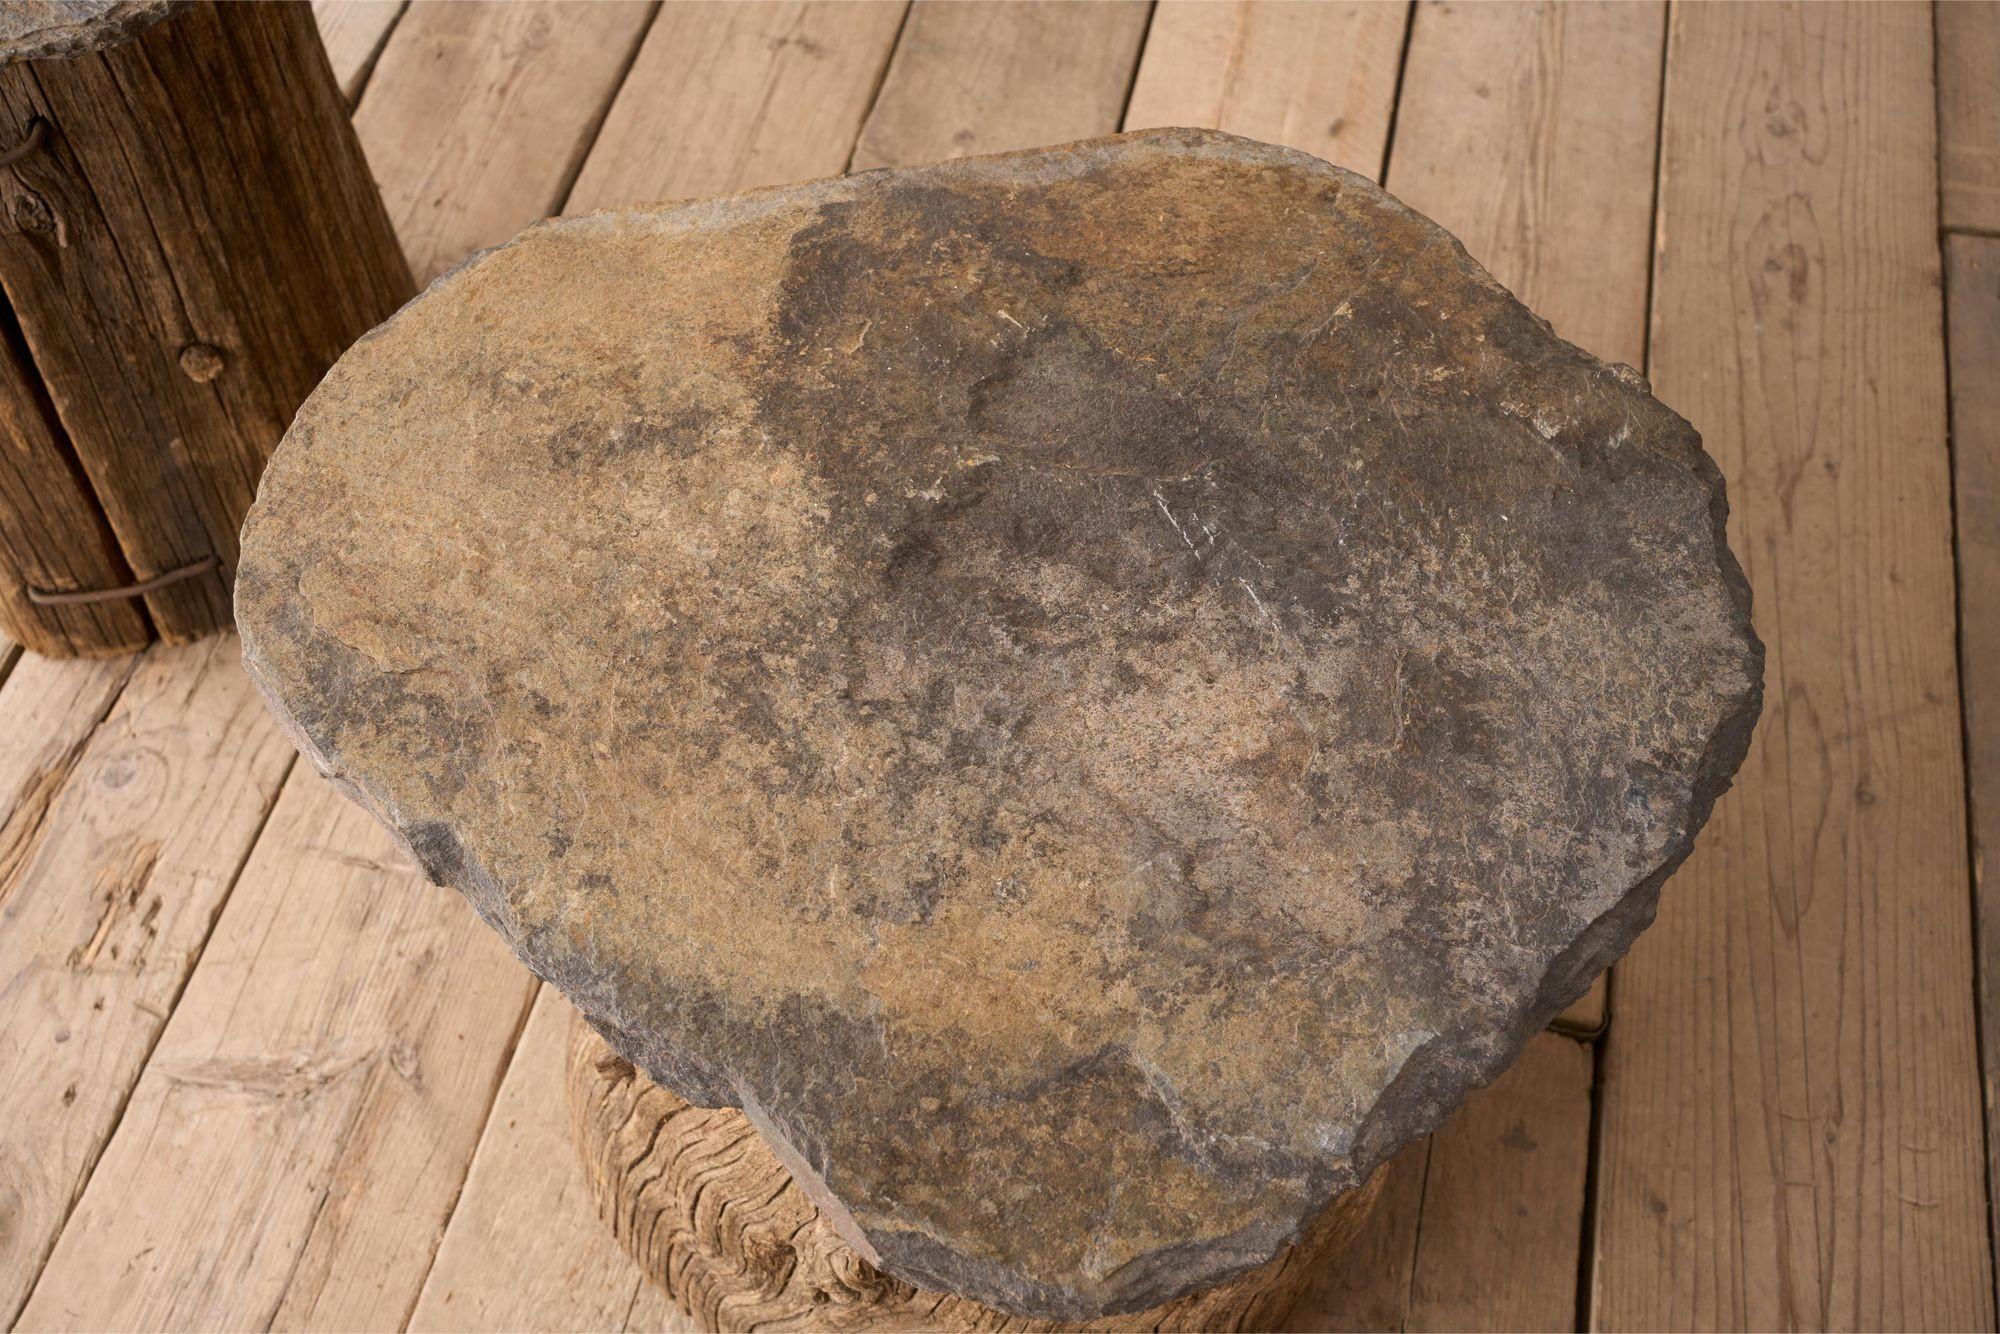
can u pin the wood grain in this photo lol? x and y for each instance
(108, 898)
(1968, 101)
(481, 112)
(52, 532)
(712, 1216)
(1972, 298)
(526, 1196)
(1365, 1285)
(354, 32)
(1320, 78)
(992, 75)
(1528, 131)
(295, 1144)
(389, 1201)
(727, 97)
(47, 712)
(1791, 1122)
(192, 246)
(1479, 1226)
(1504, 1199)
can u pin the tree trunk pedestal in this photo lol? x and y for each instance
(189, 236)
(697, 1198)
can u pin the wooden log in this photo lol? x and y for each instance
(709, 1213)
(188, 238)
(52, 534)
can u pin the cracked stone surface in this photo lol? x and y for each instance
(1096, 693)
(44, 29)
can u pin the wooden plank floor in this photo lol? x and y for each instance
(259, 1073)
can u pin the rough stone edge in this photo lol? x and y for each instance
(114, 23)
(1432, 1082)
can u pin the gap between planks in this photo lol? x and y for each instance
(1968, 98)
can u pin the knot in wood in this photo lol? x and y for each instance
(201, 362)
(31, 213)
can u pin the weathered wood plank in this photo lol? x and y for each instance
(727, 97)
(1968, 73)
(360, 1258)
(47, 712)
(526, 1196)
(1002, 74)
(379, 1228)
(298, 1137)
(110, 889)
(1504, 1199)
(1479, 1226)
(1320, 78)
(1791, 1124)
(1972, 297)
(1528, 131)
(354, 32)
(481, 112)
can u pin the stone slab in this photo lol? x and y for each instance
(1095, 693)
(49, 29)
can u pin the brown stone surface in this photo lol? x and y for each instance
(1094, 692)
(706, 1210)
(42, 29)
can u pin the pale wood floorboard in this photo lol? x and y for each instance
(297, 1139)
(1002, 74)
(354, 32)
(526, 1196)
(1320, 78)
(481, 111)
(121, 852)
(1791, 1120)
(370, 1242)
(731, 97)
(1968, 73)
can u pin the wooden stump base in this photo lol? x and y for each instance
(698, 1199)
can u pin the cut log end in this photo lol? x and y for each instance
(708, 1212)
